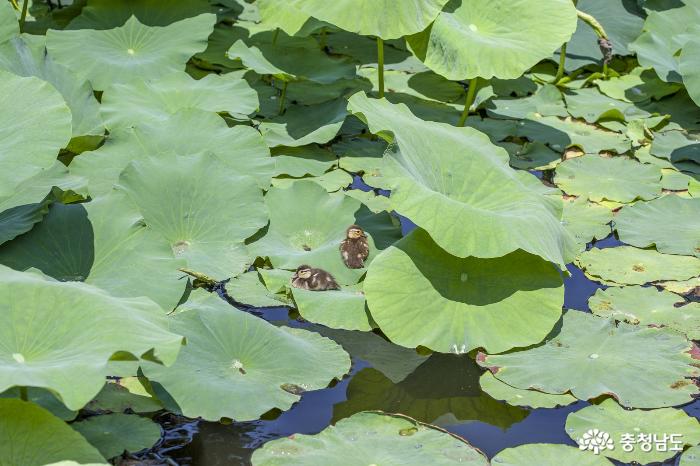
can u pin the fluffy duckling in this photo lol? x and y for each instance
(354, 249)
(308, 278)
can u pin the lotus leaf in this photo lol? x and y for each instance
(546, 101)
(482, 38)
(73, 463)
(591, 356)
(243, 364)
(374, 202)
(617, 421)
(35, 123)
(31, 436)
(55, 333)
(421, 295)
(547, 454)
(518, 397)
(673, 180)
(690, 457)
(459, 212)
(614, 179)
(131, 51)
(332, 181)
(675, 146)
(372, 438)
(689, 66)
(531, 156)
(9, 27)
(282, 15)
(670, 223)
(113, 434)
(639, 85)
(203, 208)
(248, 289)
(156, 100)
(586, 221)
(343, 309)
(383, 18)
(423, 85)
(300, 161)
(45, 399)
(302, 125)
(592, 106)
(627, 265)
(108, 14)
(115, 398)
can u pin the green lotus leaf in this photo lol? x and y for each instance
(103, 243)
(249, 289)
(481, 38)
(363, 50)
(637, 86)
(531, 156)
(421, 295)
(300, 161)
(45, 399)
(23, 59)
(186, 132)
(619, 422)
(132, 51)
(32, 436)
(332, 181)
(383, 18)
(546, 101)
(591, 105)
(313, 234)
(372, 438)
(586, 221)
(676, 146)
(680, 287)
(614, 179)
(627, 265)
(690, 457)
(55, 334)
(244, 365)
(210, 211)
(114, 398)
(591, 356)
(113, 434)
(669, 223)
(374, 202)
(646, 306)
(302, 124)
(547, 454)
(311, 93)
(343, 309)
(9, 27)
(674, 180)
(423, 85)
(35, 123)
(109, 14)
(460, 212)
(279, 14)
(362, 156)
(518, 397)
(73, 463)
(156, 100)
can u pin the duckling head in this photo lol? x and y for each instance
(354, 232)
(303, 271)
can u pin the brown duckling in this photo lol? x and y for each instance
(308, 278)
(354, 249)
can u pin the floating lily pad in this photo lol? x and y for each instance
(244, 365)
(460, 212)
(45, 399)
(332, 181)
(690, 457)
(60, 335)
(372, 438)
(619, 422)
(670, 223)
(115, 398)
(676, 146)
(113, 434)
(131, 51)
(586, 221)
(9, 27)
(639, 85)
(614, 179)
(627, 265)
(646, 306)
(108, 14)
(31, 436)
(592, 106)
(518, 397)
(484, 39)
(547, 454)
(420, 295)
(531, 156)
(248, 289)
(211, 209)
(301, 124)
(591, 356)
(300, 161)
(681, 287)
(546, 101)
(343, 309)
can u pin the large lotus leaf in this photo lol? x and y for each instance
(676, 146)
(115, 398)
(154, 101)
(618, 422)
(483, 38)
(443, 179)
(203, 208)
(531, 155)
(249, 289)
(187, 132)
(305, 124)
(35, 123)
(21, 58)
(547, 454)
(614, 179)
(300, 161)
(586, 221)
(547, 100)
(343, 309)
(690, 68)
(592, 106)
(690, 457)
(332, 181)
(281, 14)
(648, 306)
(670, 223)
(108, 14)
(45, 399)
(9, 27)
(637, 86)
(382, 18)
(372, 438)
(591, 356)
(313, 234)
(60, 335)
(681, 287)
(32, 436)
(627, 265)
(103, 243)
(423, 85)
(421, 295)
(518, 397)
(113, 434)
(244, 365)
(132, 51)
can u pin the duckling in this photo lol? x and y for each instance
(354, 249)
(308, 278)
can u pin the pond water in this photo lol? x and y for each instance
(442, 390)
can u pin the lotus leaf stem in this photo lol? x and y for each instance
(14, 4)
(23, 15)
(275, 36)
(562, 61)
(283, 97)
(471, 94)
(23, 394)
(380, 65)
